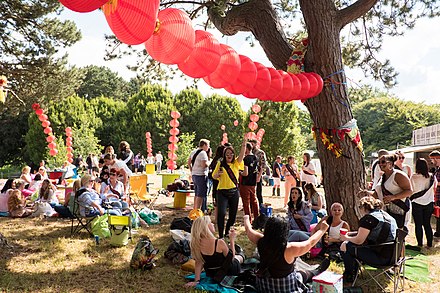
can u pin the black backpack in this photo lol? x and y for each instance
(184, 224)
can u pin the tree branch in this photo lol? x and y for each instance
(354, 11)
(259, 18)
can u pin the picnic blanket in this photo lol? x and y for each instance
(207, 284)
(416, 267)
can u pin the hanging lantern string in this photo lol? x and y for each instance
(329, 80)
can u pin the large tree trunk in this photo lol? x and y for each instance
(344, 176)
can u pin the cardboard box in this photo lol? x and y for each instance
(327, 282)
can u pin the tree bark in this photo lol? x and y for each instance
(344, 176)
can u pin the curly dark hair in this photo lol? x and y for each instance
(298, 204)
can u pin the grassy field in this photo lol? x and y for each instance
(43, 258)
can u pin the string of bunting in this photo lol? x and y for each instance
(327, 137)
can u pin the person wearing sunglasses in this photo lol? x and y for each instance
(400, 164)
(394, 189)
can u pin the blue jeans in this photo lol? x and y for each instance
(365, 255)
(201, 188)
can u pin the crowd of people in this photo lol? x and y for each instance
(396, 194)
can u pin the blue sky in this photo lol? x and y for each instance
(414, 55)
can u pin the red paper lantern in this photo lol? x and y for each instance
(225, 135)
(69, 155)
(147, 134)
(174, 123)
(70, 160)
(262, 84)
(305, 85)
(296, 89)
(227, 71)
(39, 112)
(174, 131)
(313, 85)
(246, 79)
(45, 124)
(69, 139)
(132, 21)
(173, 139)
(35, 106)
(83, 5)
(173, 38)
(47, 130)
(68, 143)
(50, 138)
(69, 149)
(42, 117)
(204, 58)
(276, 85)
(235, 122)
(52, 145)
(53, 152)
(256, 108)
(172, 156)
(253, 125)
(254, 118)
(175, 114)
(172, 147)
(318, 80)
(68, 129)
(251, 135)
(286, 92)
(222, 127)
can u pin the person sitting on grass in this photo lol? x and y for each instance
(4, 196)
(375, 227)
(17, 205)
(316, 200)
(65, 210)
(299, 213)
(47, 193)
(276, 271)
(212, 254)
(112, 191)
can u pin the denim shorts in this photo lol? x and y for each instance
(200, 185)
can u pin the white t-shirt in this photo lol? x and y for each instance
(200, 166)
(419, 183)
(306, 177)
(377, 173)
(118, 165)
(159, 158)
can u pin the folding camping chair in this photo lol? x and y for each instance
(394, 271)
(79, 222)
(139, 192)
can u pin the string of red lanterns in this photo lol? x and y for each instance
(149, 144)
(47, 129)
(199, 54)
(172, 147)
(69, 143)
(225, 135)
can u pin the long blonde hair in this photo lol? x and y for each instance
(200, 230)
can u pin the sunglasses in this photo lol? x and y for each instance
(401, 158)
(112, 174)
(383, 161)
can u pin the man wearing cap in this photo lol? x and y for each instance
(435, 160)
(262, 165)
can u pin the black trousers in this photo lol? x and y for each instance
(226, 199)
(422, 220)
(260, 192)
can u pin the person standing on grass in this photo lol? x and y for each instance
(226, 172)
(422, 201)
(434, 156)
(248, 182)
(158, 159)
(198, 163)
(276, 170)
(291, 175)
(262, 165)
(308, 170)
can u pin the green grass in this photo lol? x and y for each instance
(43, 258)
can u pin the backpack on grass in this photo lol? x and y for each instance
(143, 254)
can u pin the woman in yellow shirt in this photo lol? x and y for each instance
(226, 172)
